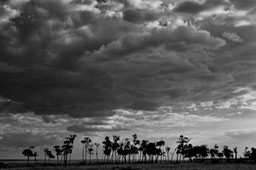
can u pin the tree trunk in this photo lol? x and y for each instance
(83, 155)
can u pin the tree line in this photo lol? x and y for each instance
(133, 150)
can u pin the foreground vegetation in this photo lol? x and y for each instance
(133, 151)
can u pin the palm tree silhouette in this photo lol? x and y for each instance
(71, 139)
(214, 151)
(35, 154)
(58, 151)
(86, 142)
(97, 146)
(143, 149)
(235, 151)
(246, 153)
(168, 152)
(135, 146)
(127, 148)
(67, 149)
(48, 154)
(182, 142)
(227, 152)
(122, 152)
(28, 153)
(115, 145)
(107, 148)
(90, 150)
(159, 144)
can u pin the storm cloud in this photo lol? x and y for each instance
(66, 60)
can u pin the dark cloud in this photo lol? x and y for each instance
(180, 39)
(139, 15)
(194, 7)
(77, 59)
(65, 63)
(249, 4)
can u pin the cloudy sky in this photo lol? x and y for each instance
(158, 68)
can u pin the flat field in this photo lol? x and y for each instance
(187, 166)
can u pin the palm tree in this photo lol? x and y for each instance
(58, 151)
(28, 153)
(127, 148)
(227, 152)
(107, 148)
(172, 154)
(135, 146)
(45, 154)
(213, 153)
(167, 149)
(67, 149)
(159, 144)
(182, 141)
(235, 151)
(143, 149)
(90, 149)
(86, 142)
(48, 154)
(246, 153)
(35, 154)
(71, 139)
(97, 146)
(114, 147)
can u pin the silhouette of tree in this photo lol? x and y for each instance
(203, 151)
(127, 148)
(227, 152)
(107, 144)
(159, 151)
(122, 152)
(48, 154)
(71, 139)
(97, 146)
(168, 152)
(220, 155)
(28, 153)
(58, 151)
(90, 150)
(35, 154)
(67, 149)
(246, 153)
(143, 150)
(114, 146)
(151, 151)
(135, 146)
(214, 151)
(86, 142)
(182, 142)
(235, 151)
(189, 151)
(253, 154)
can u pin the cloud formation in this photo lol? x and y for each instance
(232, 36)
(62, 61)
(63, 57)
(194, 7)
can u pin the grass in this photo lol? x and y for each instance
(185, 166)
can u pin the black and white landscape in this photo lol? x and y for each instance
(97, 68)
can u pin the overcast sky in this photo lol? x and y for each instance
(158, 68)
